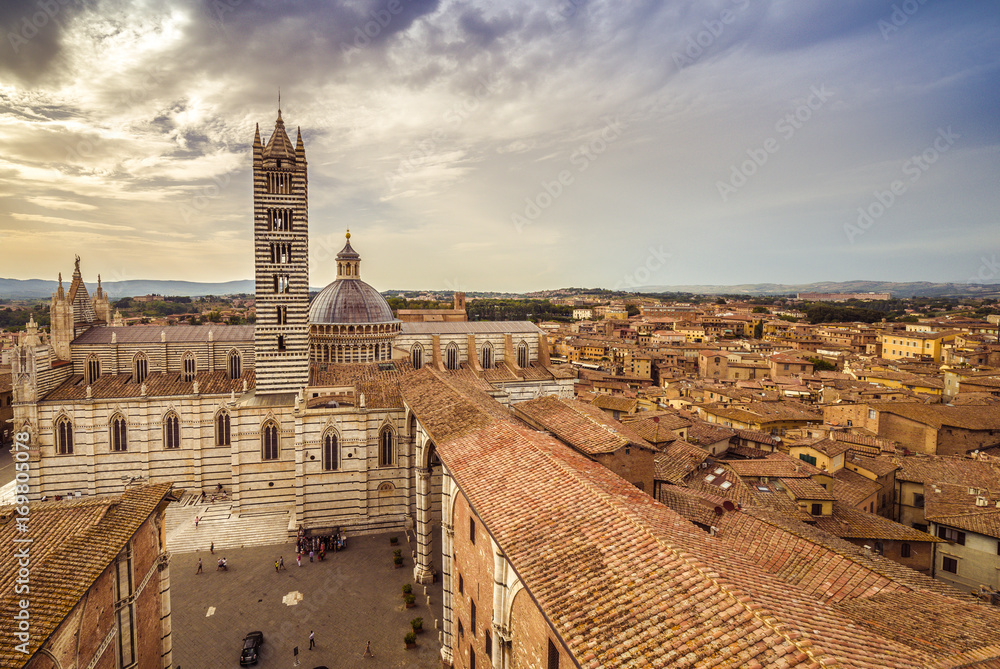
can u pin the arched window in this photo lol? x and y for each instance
(93, 369)
(235, 364)
(386, 448)
(451, 355)
(188, 366)
(486, 356)
(522, 355)
(171, 431)
(119, 433)
(417, 356)
(269, 441)
(331, 452)
(223, 436)
(64, 436)
(140, 367)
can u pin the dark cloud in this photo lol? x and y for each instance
(32, 36)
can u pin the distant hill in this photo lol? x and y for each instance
(41, 289)
(38, 288)
(910, 289)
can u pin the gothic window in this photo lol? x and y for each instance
(93, 369)
(452, 356)
(417, 356)
(223, 434)
(119, 433)
(140, 367)
(281, 283)
(188, 367)
(331, 451)
(171, 431)
(64, 436)
(522, 355)
(386, 448)
(235, 364)
(281, 342)
(486, 356)
(282, 314)
(269, 441)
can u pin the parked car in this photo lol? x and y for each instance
(251, 648)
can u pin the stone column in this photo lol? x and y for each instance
(447, 543)
(447, 553)
(423, 571)
(501, 634)
(166, 632)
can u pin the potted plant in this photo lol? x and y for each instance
(398, 552)
(393, 540)
(397, 561)
(410, 600)
(417, 624)
(410, 640)
(407, 588)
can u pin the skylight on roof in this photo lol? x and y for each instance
(725, 484)
(710, 478)
(719, 470)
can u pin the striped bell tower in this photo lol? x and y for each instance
(281, 262)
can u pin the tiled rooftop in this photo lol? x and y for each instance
(72, 544)
(582, 426)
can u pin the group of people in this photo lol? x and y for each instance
(311, 546)
(222, 565)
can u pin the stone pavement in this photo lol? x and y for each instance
(349, 598)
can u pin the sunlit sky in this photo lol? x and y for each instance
(509, 145)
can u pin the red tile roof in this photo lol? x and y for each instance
(627, 582)
(72, 544)
(158, 384)
(582, 426)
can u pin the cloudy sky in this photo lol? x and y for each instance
(500, 145)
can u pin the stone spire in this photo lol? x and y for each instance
(300, 148)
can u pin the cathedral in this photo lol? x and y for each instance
(300, 411)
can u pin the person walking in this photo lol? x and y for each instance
(281, 562)
(368, 650)
(211, 549)
(298, 558)
(312, 639)
(310, 555)
(199, 567)
(275, 566)
(196, 519)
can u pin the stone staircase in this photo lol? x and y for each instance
(218, 523)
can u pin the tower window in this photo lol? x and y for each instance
(189, 367)
(281, 342)
(223, 434)
(282, 315)
(140, 368)
(269, 441)
(171, 431)
(64, 436)
(281, 283)
(119, 434)
(93, 369)
(330, 452)
(386, 451)
(235, 364)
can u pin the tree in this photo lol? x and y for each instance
(760, 310)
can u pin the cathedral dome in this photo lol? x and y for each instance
(349, 301)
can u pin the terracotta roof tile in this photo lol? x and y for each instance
(583, 426)
(72, 544)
